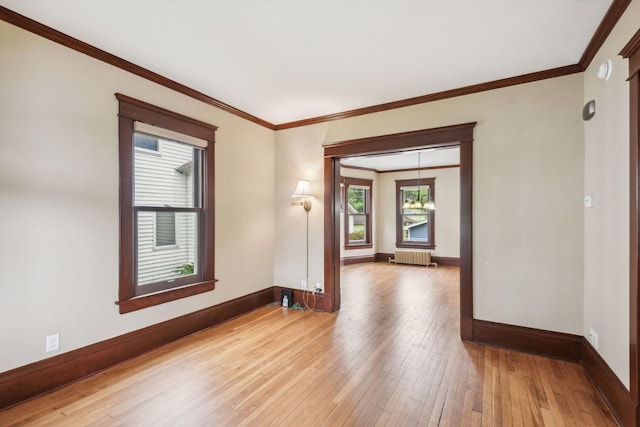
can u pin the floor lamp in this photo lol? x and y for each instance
(303, 192)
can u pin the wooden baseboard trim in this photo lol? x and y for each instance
(382, 257)
(529, 340)
(357, 259)
(298, 297)
(608, 385)
(446, 261)
(46, 375)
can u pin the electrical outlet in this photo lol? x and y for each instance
(593, 338)
(318, 287)
(304, 285)
(53, 342)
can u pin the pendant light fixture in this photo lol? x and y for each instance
(416, 202)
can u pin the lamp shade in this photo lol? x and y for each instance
(303, 190)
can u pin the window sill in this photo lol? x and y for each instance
(149, 300)
(359, 246)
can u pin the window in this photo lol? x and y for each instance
(166, 205)
(357, 213)
(415, 227)
(146, 142)
(165, 229)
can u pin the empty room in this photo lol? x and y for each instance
(340, 213)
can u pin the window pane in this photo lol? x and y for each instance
(411, 194)
(415, 227)
(415, 222)
(157, 263)
(356, 200)
(357, 228)
(165, 179)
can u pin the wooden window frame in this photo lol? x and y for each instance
(368, 243)
(130, 111)
(400, 243)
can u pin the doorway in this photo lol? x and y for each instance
(449, 136)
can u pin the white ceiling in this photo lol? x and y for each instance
(407, 159)
(286, 60)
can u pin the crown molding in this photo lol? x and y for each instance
(607, 24)
(424, 168)
(56, 36)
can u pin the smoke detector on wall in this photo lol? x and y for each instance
(604, 70)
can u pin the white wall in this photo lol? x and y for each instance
(447, 214)
(528, 185)
(59, 199)
(606, 176)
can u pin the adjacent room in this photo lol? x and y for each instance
(446, 192)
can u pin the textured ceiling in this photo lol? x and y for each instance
(287, 60)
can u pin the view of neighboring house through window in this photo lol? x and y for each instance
(167, 210)
(358, 212)
(414, 222)
(166, 205)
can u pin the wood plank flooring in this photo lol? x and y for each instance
(391, 357)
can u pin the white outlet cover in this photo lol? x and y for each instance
(589, 200)
(53, 342)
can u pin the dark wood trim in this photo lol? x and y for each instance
(422, 169)
(43, 376)
(446, 261)
(460, 135)
(435, 137)
(466, 240)
(56, 36)
(529, 340)
(634, 239)
(609, 21)
(382, 257)
(127, 240)
(632, 51)
(614, 393)
(607, 24)
(332, 234)
(569, 347)
(357, 259)
(361, 246)
(157, 116)
(148, 300)
(130, 297)
(431, 182)
(467, 90)
(298, 297)
(368, 204)
(399, 170)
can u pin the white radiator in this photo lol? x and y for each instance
(413, 257)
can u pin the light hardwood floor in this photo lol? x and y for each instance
(391, 356)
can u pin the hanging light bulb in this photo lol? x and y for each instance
(429, 204)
